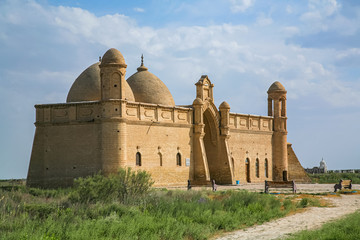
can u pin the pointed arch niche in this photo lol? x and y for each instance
(211, 143)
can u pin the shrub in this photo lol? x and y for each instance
(303, 203)
(288, 205)
(48, 193)
(308, 202)
(39, 210)
(124, 186)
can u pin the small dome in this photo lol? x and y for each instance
(148, 88)
(113, 56)
(86, 87)
(224, 105)
(276, 86)
(197, 101)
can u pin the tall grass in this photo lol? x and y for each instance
(334, 177)
(347, 228)
(124, 207)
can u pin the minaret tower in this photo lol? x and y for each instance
(112, 72)
(277, 109)
(114, 92)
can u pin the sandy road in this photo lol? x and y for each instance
(314, 217)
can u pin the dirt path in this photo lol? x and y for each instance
(312, 218)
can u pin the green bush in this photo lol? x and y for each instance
(308, 202)
(39, 210)
(288, 205)
(126, 185)
(47, 193)
(303, 203)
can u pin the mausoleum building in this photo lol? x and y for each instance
(109, 121)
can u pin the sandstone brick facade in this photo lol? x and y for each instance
(199, 142)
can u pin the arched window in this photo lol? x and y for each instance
(270, 107)
(283, 107)
(178, 159)
(247, 169)
(138, 159)
(257, 168)
(160, 159)
(266, 168)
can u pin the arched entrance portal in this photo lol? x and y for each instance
(211, 154)
(211, 145)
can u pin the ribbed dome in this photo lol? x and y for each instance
(148, 88)
(113, 56)
(276, 86)
(86, 87)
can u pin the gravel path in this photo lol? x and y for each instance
(314, 217)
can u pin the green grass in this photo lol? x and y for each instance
(334, 177)
(160, 214)
(123, 206)
(347, 228)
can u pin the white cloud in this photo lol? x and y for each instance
(264, 21)
(290, 30)
(219, 49)
(241, 5)
(319, 11)
(215, 50)
(325, 7)
(289, 9)
(140, 10)
(353, 52)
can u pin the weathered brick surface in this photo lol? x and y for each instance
(251, 145)
(63, 152)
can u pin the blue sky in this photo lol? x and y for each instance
(312, 47)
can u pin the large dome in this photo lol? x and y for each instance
(87, 86)
(148, 88)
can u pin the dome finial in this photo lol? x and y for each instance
(142, 67)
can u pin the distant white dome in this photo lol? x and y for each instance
(323, 165)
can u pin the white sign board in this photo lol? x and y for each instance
(187, 162)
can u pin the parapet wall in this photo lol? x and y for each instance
(158, 113)
(67, 112)
(131, 111)
(250, 122)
